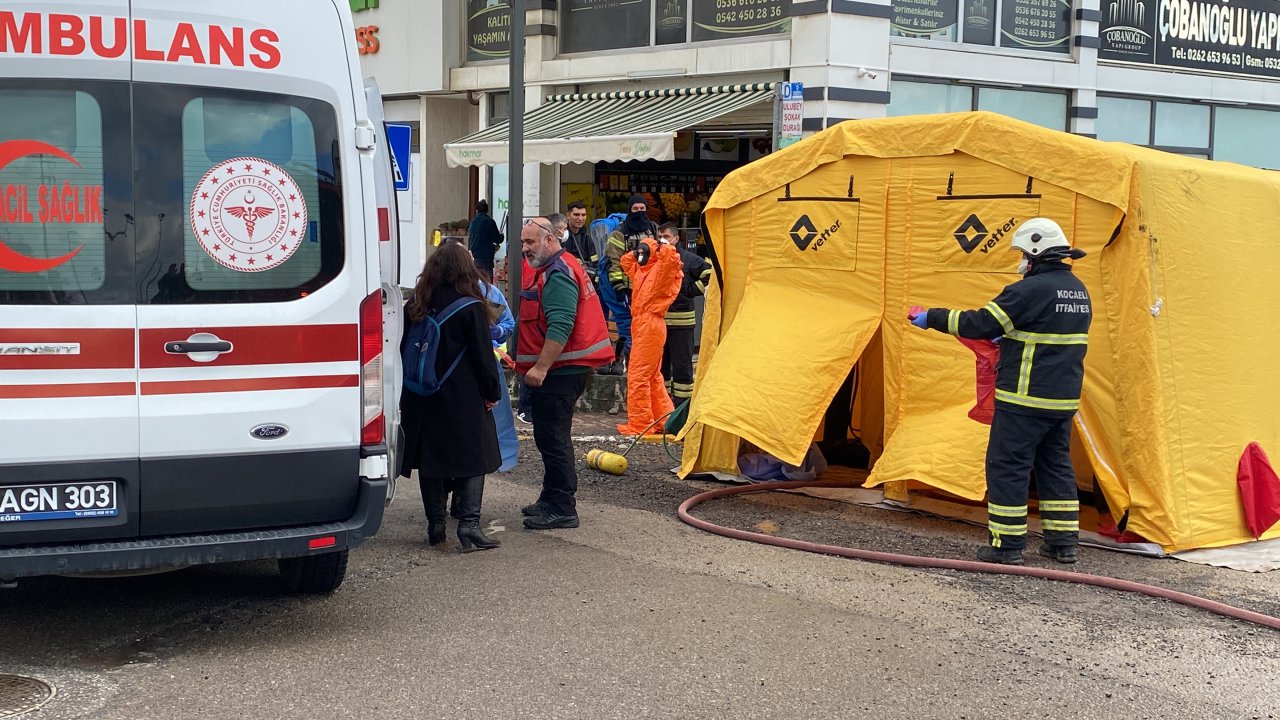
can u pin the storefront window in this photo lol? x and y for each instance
(919, 98)
(1251, 137)
(1041, 108)
(1124, 120)
(1182, 125)
(1048, 109)
(1026, 24)
(499, 106)
(593, 25)
(590, 25)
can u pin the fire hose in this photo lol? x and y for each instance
(1102, 581)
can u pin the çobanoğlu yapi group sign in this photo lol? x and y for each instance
(1237, 37)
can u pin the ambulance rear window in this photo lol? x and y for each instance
(245, 188)
(52, 234)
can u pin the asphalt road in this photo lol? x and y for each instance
(635, 615)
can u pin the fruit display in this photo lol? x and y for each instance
(655, 211)
(673, 203)
(676, 197)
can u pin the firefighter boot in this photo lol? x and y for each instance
(999, 556)
(1065, 554)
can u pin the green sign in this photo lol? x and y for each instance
(358, 5)
(488, 29)
(720, 19)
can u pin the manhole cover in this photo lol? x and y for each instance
(20, 694)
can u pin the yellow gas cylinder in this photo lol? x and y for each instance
(608, 462)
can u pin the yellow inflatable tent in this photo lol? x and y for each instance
(823, 247)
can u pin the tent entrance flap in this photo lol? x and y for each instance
(777, 369)
(607, 127)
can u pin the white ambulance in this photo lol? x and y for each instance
(199, 317)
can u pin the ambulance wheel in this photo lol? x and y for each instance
(314, 573)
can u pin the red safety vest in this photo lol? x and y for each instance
(588, 344)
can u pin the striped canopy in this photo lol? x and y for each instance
(601, 127)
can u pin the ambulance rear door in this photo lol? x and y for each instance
(388, 258)
(68, 383)
(252, 265)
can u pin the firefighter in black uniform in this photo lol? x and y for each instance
(1042, 322)
(677, 354)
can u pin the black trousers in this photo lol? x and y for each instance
(523, 403)
(677, 363)
(1019, 444)
(553, 405)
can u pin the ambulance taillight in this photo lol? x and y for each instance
(373, 431)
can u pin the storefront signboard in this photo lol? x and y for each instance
(1026, 24)
(723, 19)
(1242, 36)
(980, 22)
(591, 25)
(1036, 24)
(488, 29)
(925, 18)
(670, 22)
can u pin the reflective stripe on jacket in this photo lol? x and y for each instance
(1044, 322)
(697, 273)
(588, 344)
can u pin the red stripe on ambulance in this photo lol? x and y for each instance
(269, 345)
(67, 390)
(66, 349)
(306, 382)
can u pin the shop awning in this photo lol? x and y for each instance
(602, 127)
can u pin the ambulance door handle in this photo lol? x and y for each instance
(201, 347)
(183, 348)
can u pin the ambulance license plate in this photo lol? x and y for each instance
(58, 501)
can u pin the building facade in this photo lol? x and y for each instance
(1196, 77)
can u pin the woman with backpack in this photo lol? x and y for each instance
(451, 384)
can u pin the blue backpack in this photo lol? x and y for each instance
(421, 345)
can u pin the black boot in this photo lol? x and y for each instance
(469, 494)
(434, 504)
(451, 488)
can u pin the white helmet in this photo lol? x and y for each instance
(1038, 235)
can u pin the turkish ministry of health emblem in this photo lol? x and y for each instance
(248, 214)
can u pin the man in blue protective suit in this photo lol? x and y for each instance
(1043, 325)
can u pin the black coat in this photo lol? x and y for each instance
(450, 434)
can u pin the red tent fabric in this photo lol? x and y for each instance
(1259, 490)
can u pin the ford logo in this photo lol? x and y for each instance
(269, 432)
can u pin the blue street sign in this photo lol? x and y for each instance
(792, 91)
(398, 137)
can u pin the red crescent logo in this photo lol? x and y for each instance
(11, 259)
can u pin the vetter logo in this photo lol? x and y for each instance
(972, 233)
(803, 234)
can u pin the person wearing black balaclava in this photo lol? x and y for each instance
(625, 239)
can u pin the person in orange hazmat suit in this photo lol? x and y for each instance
(655, 271)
